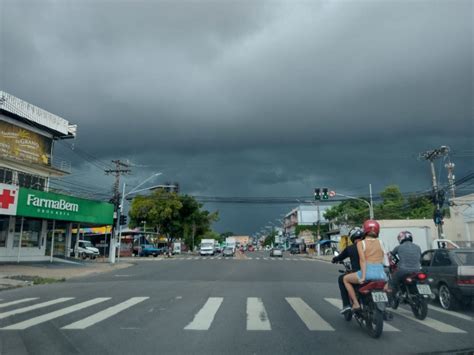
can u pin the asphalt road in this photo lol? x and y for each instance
(190, 305)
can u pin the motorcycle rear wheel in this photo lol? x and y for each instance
(419, 307)
(374, 321)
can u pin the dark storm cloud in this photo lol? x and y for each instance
(252, 97)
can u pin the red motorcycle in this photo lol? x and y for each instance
(373, 301)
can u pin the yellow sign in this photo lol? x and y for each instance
(20, 144)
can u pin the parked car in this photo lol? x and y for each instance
(452, 271)
(228, 251)
(150, 249)
(85, 250)
(276, 252)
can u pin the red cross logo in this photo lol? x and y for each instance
(6, 199)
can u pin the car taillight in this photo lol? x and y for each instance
(421, 276)
(465, 280)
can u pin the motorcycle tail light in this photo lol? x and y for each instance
(421, 276)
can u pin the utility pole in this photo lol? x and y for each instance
(451, 177)
(438, 195)
(121, 168)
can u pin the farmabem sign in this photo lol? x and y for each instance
(39, 204)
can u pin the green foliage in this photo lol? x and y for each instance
(393, 206)
(173, 215)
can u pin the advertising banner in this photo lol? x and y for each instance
(20, 144)
(40, 204)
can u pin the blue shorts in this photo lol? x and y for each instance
(373, 272)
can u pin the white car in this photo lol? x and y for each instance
(276, 252)
(85, 250)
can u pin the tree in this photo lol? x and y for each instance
(392, 206)
(176, 216)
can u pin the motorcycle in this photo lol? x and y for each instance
(413, 290)
(373, 301)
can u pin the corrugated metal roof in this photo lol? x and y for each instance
(35, 114)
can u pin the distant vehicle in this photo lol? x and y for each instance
(176, 248)
(276, 252)
(295, 249)
(217, 247)
(250, 248)
(452, 271)
(85, 250)
(228, 251)
(150, 249)
(207, 247)
(230, 242)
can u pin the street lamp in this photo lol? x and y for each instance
(371, 207)
(119, 212)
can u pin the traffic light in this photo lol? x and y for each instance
(317, 194)
(123, 220)
(325, 194)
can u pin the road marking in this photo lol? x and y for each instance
(430, 322)
(312, 320)
(451, 313)
(265, 258)
(56, 314)
(204, 318)
(250, 258)
(33, 307)
(338, 304)
(257, 318)
(106, 313)
(188, 258)
(196, 258)
(212, 258)
(219, 258)
(257, 258)
(3, 305)
(123, 275)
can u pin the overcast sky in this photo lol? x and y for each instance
(250, 98)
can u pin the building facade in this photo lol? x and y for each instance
(36, 223)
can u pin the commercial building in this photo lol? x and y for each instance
(36, 223)
(303, 215)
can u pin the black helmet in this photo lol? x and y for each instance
(356, 233)
(405, 236)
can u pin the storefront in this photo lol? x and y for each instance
(38, 225)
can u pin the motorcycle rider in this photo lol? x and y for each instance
(371, 259)
(409, 256)
(355, 235)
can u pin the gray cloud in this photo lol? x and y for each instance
(251, 98)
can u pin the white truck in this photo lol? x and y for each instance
(207, 247)
(230, 242)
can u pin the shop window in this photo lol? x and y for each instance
(31, 181)
(4, 222)
(31, 233)
(6, 176)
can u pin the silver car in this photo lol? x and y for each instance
(228, 252)
(276, 252)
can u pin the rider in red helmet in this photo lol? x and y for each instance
(371, 257)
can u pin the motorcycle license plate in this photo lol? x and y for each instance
(424, 289)
(379, 297)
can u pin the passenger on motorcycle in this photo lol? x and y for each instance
(371, 258)
(355, 235)
(409, 255)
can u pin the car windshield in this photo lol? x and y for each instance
(465, 257)
(86, 244)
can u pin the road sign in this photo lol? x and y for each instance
(332, 193)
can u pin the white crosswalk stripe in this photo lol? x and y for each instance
(257, 318)
(250, 258)
(338, 304)
(204, 318)
(451, 313)
(257, 258)
(33, 307)
(309, 317)
(430, 322)
(106, 313)
(56, 314)
(12, 303)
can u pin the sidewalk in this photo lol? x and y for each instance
(24, 274)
